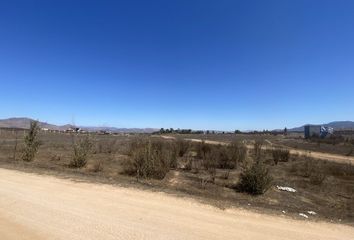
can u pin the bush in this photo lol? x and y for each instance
(105, 146)
(315, 170)
(150, 158)
(210, 163)
(172, 153)
(280, 155)
(237, 153)
(32, 142)
(257, 147)
(255, 179)
(81, 152)
(225, 157)
(218, 156)
(202, 149)
(182, 147)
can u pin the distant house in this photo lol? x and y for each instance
(317, 131)
(72, 130)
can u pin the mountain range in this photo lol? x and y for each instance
(25, 123)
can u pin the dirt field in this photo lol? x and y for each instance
(292, 140)
(332, 200)
(302, 152)
(44, 207)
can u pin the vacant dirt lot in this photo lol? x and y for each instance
(331, 197)
(44, 207)
(313, 154)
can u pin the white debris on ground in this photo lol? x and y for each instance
(288, 189)
(311, 212)
(283, 211)
(303, 215)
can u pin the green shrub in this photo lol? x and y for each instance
(32, 142)
(255, 179)
(81, 151)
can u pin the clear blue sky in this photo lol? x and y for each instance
(182, 64)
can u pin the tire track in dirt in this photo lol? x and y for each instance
(318, 155)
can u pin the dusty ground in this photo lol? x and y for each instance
(333, 201)
(44, 207)
(292, 140)
(313, 154)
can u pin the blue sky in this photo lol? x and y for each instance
(182, 64)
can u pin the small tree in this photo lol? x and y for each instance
(32, 142)
(82, 149)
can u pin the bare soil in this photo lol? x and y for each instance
(44, 207)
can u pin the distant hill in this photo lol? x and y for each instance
(25, 123)
(337, 125)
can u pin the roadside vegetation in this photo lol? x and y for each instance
(81, 151)
(244, 172)
(32, 143)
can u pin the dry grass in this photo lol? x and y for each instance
(151, 158)
(205, 171)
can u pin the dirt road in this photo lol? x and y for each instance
(317, 155)
(44, 207)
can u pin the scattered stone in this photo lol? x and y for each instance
(288, 189)
(303, 215)
(283, 211)
(311, 212)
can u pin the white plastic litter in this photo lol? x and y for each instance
(288, 189)
(303, 215)
(283, 211)
(311, 212)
